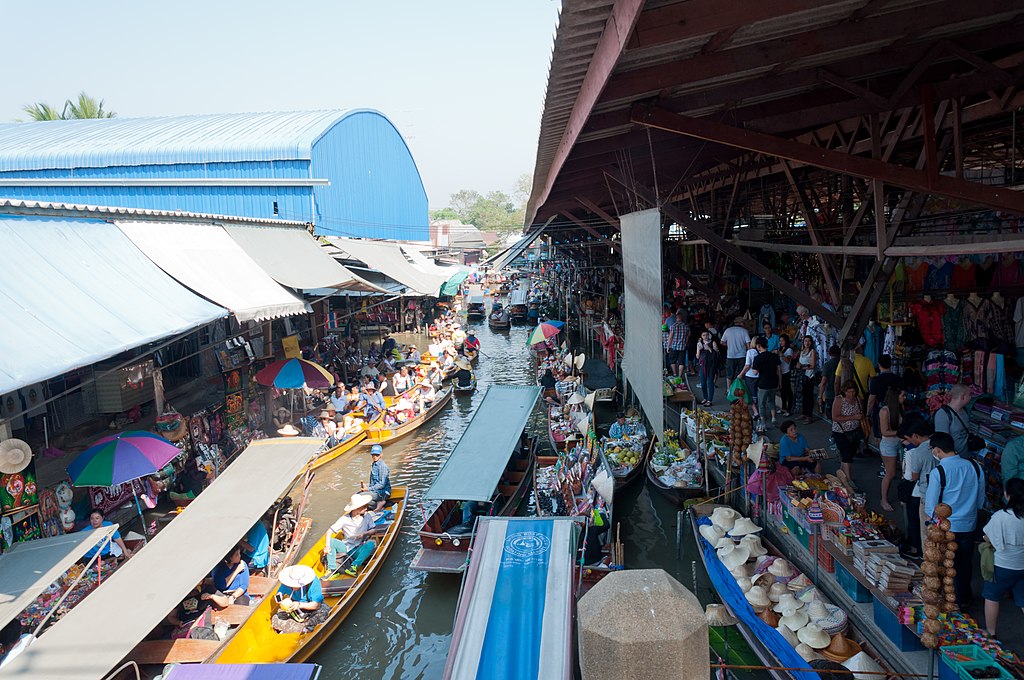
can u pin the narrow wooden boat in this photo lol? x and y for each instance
(471, 354)
(476, 308)
(721, 579)
(340, 449)
(499, 320)
(257, 642)
(624, 476)
(491, 465)
(676, 494)
(381, 434)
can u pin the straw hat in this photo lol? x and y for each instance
(464, 365)
(733, 556)
(763, 562)
(799, 582)
(724, 518)
(297, 576)
(828, 617)
(741, 571)
(744, 584)
(325, 414)
(753, 543)
(177, 434)
(288, 431)
(15, 455)
(358, 500)
(813, 636)
(711, 533)
(576, 398)
(764, 579)
(861, 661)
(724, 542)
(368, 371)
(787, 603)
(718, 615)
(758, 599)
(807, 594)
(769, 617)
(840, 649)
(795, 620)
(776, 591)
(807, 653)
(744, 526)
(781, 569)
(789, 635)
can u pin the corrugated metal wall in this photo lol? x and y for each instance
(375, 190)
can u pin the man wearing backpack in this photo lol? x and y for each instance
(952, 418)
(960, 484)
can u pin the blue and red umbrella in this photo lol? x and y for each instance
(295, 373)
(120, 458)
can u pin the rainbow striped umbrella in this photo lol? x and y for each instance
(294, 373)
(543, 331)
(121, 458)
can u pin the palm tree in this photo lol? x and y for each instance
(84, 107)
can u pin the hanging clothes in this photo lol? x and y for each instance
(1018, 321)
(765, 315)
(995, 322)
(984, 272)
(939, 274)
(928, 317)
(917, 271)
(973, 325)
(873, 342)
(953, 326)
(964, 277)
(889, 344)
(1007, 272)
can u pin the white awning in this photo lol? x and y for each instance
(76, 291)
(424, 263)
(207, 260)
(100, 631)
(294, 259)
(29, 568)
(387, 257)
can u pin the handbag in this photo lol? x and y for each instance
(905, 491)
(974, 442)
(865, 426)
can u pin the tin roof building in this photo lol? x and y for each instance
(348, 172)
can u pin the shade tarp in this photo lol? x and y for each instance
(207, 260)
(388, 258)
(100, 631)
(475, 466)
(75, 292)
(293, 258)
(28, 568)
(244, 671)
(514, 618)
(510, 255)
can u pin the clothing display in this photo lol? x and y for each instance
(953, 327)
(928, 317)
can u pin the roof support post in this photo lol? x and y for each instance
(897, 175)
(731, 250)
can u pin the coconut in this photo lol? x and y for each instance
(930, 597)
(932, 626)
(949, 607)
(943, 511)
(948, 563)
(951, 548)
(929, 640)
(944, 524)
(929, 569)
(931, 555)
(935, 534)
(932, 582)
(931, 611)
(950, 536)
(949, 580)
(951, 597)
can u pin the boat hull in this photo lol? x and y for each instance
(383, 435)
(675, 494)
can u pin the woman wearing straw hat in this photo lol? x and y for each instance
(356, 526)
(301, 605)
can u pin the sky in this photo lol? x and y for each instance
(462, 80)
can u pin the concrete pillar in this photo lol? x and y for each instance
(639, 624)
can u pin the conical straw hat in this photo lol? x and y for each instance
(776, 591)
(753, 543)
(807, 653)
(840, 649)
(15, 455)
(861, 661)
(718, 615)
(711, 534)
(733, 556)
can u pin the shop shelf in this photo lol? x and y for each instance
(901, 636)
(854, 588)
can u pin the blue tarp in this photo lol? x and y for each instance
(730, 594)
(268, 671)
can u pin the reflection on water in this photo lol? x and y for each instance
(401, 628)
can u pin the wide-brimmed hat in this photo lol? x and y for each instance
(711, 533)
(776, 591)
(740, 571)
(807, 653)
(758, 599)
(769, 617)
(733, 555)
(288, 431)
(297, 576)
(813, 636)
(753, 543)
(370, 386)
(724, 542)
(368, 371)
(807, 594)
(718, 615)
(781, 569)
(15, 455)
(325, 414)
(787, 603)
(281, 410)
(724, 517)
(799, 581)
(795, 620)
(576, 398)
(464, 365)
(744, 583)
(789, 635)
(177, 434)
(743, 526)
(841, 648)
(828, 617)
(764, 579)
(358, 500)
(862, 661)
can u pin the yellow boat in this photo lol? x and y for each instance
(382, 434)
(256, 642)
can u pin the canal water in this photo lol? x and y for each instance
(401, 628)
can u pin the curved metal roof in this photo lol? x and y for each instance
(207, 138)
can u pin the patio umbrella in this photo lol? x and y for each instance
(294, 373)
(121, 458)
(451, 286)
(545, 330)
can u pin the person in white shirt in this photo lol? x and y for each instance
(1005, 531)
(736, 340)
(916, 432)
(355, 526)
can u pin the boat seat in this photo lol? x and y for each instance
(261, 585)
(506, 490)
(336, 586)
(514, 477)
(521, 464)
(235, 614)
(173, 651)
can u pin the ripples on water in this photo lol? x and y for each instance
(401, 628)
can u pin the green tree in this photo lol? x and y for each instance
(493, 211)
(83, 107)
(444, 214)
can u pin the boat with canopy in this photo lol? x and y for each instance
(204, 532)
(515, 612)
(487, 474)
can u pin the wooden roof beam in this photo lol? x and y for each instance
(590, 230)
(868, 168)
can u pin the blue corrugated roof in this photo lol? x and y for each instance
(163, 140)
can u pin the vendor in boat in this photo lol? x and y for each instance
(413, 355)
(401, 381)
(352, 400)
(403, 409)
(464, 376)
(427, 394)
(115, 547)
(436, 376)
(548, 380)
(301, 606)
(471, 342)
(371, 402)
(793, 449)
(458, 337)
(355, 527)
(338, 398)
(230, 581)
(256, 547)
(282, 417)
(330, 427)
(621, 427)
(473, 509)
(379, 486)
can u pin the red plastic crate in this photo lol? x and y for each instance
(825, 558)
